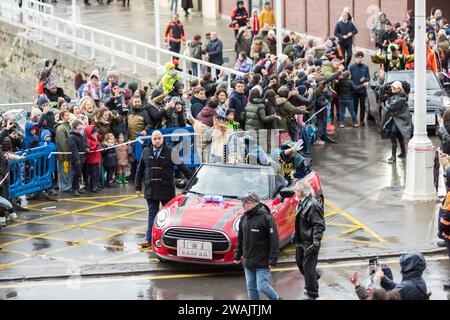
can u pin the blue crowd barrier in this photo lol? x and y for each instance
(33, 173)
(182, 138)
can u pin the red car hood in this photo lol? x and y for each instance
(193, 211)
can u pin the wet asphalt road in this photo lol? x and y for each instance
(223, 285)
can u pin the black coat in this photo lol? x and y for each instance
(395, 109)
(157, 174)
(258, 239)
(342, 29)
(47, 121)
(187, 4)
(309, 222)
(346, 89)
(197, 106)
(109, 157)
(77, 143)
(412, 286)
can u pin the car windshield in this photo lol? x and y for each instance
(231, 182)
(432, 81)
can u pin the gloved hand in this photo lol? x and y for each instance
(298, 145)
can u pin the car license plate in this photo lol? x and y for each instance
(431, 119)
(194, 249)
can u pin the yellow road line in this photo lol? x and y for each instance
(66, 228)
(340, 234)
(116, 205)
(344, 225)
(193, 275)
(357, 222)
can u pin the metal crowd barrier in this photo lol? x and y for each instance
(182, 139)
(33, 173)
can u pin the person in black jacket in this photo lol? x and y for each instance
(344, 31)
(198, 101)
(309, 229)
(412, 286)
(396, 120)
(346, 90)
(77, 144)
(258, 245)
(155, 169)
(47, 119)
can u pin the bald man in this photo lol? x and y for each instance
(156, 169)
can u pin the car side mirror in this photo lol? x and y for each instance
(181, 184)
(287, 193)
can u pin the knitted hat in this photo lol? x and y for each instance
(76, 123)
(250, 197)
(42, 100)
(35, 112)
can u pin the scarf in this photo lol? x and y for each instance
(255, 25)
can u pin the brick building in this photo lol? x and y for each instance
(318, 17)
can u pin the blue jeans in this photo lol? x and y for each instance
(343, 104)
(173, 6)
(258, 280)
(153, 208)
(65, 180)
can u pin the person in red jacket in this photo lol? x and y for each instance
(94, 158)
(239, 17)
(174, 34)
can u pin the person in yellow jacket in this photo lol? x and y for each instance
(267, 15)
(169, 78)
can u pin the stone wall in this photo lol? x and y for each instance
(21, 58)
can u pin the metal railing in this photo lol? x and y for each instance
(92, 43)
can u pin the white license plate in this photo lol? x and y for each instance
(194, 249)
(431, 119)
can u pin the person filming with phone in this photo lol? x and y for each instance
(309, 229)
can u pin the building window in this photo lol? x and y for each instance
(257, 4)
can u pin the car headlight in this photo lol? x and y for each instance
(446, 102)
(236, 225)
(162, 218)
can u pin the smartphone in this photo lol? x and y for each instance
(373, 264)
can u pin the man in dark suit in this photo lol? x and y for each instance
(155, 169)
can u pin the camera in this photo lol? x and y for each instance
(373, 265)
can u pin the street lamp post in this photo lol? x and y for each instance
(157, 30)
(419, 171)
(279, 17)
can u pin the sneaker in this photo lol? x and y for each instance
(146, 244)
(2, 222)
(363, 123)
(12, 216)
(402, 155)
(81, 191)
(392, 159)
(356, 125)
(119, 179)
(124, 179)
(341, 126)
(319, 142)
(111, 185)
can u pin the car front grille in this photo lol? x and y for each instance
(220, 242)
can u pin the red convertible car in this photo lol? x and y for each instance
(201, 225)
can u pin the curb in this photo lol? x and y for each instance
(142, 269)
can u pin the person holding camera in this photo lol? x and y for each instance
(309, 229)
(412, 286)
(396, 121)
